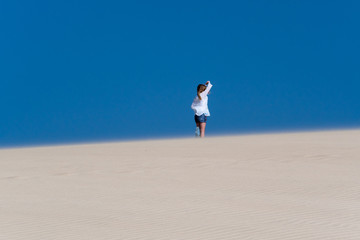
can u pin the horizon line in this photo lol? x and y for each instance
(172, 137)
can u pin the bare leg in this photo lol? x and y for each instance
(197, 131)
(202, 129)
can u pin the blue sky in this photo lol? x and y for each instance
(75, 71)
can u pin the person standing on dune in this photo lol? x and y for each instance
(200, 107)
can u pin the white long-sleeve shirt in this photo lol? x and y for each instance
(201, 106)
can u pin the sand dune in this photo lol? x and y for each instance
(272, 186)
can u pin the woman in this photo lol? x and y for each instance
(200, 107)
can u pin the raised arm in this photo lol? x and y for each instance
(207, 90)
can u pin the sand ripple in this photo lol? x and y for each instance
(275, 186)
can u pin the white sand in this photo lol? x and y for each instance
(275, 186)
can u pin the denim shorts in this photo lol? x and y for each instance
(200, 119)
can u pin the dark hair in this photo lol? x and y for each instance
(200, 89)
